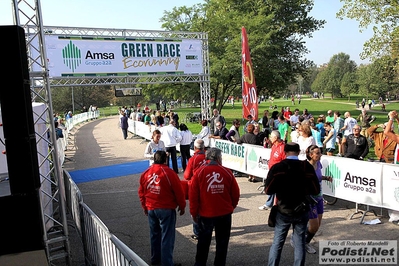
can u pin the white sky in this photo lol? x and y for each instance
(337, 36)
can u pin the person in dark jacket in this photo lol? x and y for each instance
(124, 124)
(248, 137)
(221, 132)
(292, 181)
(356, 145)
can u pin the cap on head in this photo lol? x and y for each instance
(291, 147)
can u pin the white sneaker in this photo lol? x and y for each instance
(263, 208)
(310, 249)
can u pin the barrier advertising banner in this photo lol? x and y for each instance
(353, 180)
(257, 160)
(390, 183)
(233, 154)
(83, 56)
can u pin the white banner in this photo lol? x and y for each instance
(354, 180)
(257, 160)
(233, 154)
(79, 56)
(390, 183)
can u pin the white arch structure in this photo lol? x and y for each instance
(27, 14)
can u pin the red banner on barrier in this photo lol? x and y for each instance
(249, 93)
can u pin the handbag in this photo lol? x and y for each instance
(271, 221)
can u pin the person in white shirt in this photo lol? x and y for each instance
(171, 137)
(294, 119)
(305, 139)
(204, 134)
(295, 133)
(156, 144)
(349, 123)
(186, 139)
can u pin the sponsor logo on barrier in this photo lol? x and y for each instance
(333, 171)
(255, 161)
(373, 252)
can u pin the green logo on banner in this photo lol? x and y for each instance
(333, 170)
(72, 56)
(252, 159)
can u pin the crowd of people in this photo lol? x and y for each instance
(297, 142)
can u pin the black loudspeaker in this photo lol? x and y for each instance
(17, 114)
(20, 224)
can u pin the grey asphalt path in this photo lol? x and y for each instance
(115, 201)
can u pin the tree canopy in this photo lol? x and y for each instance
(276, 31)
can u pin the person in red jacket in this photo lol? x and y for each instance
(160, 192)
(197, 160)
(277, 154)
(213, 196)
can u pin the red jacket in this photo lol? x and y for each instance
(160, 188)
(214, 191)
(194, 163)
(277, 153)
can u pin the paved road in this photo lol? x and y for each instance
(115, 201)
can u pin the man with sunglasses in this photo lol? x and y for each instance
(356, 145)
(221, 132)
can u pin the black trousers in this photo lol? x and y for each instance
(173, 156)
(185, 155)
(222, 227)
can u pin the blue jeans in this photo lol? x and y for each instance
(283, 224)
(270, 201)
(222, 226)
(162, 234)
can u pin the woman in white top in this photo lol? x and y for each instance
(295, 133)
(305, 139)
(204, 134)
(156, 144)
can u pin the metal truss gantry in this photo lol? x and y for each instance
(27, 14)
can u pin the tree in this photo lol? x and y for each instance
(377, 79)
(383, 16)
(349, 84)
(275, 28)
(330, 79)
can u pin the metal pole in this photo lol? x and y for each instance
(73, 103)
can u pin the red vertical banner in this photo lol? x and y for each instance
(249, 93)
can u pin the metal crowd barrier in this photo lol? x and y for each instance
(100, 246)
